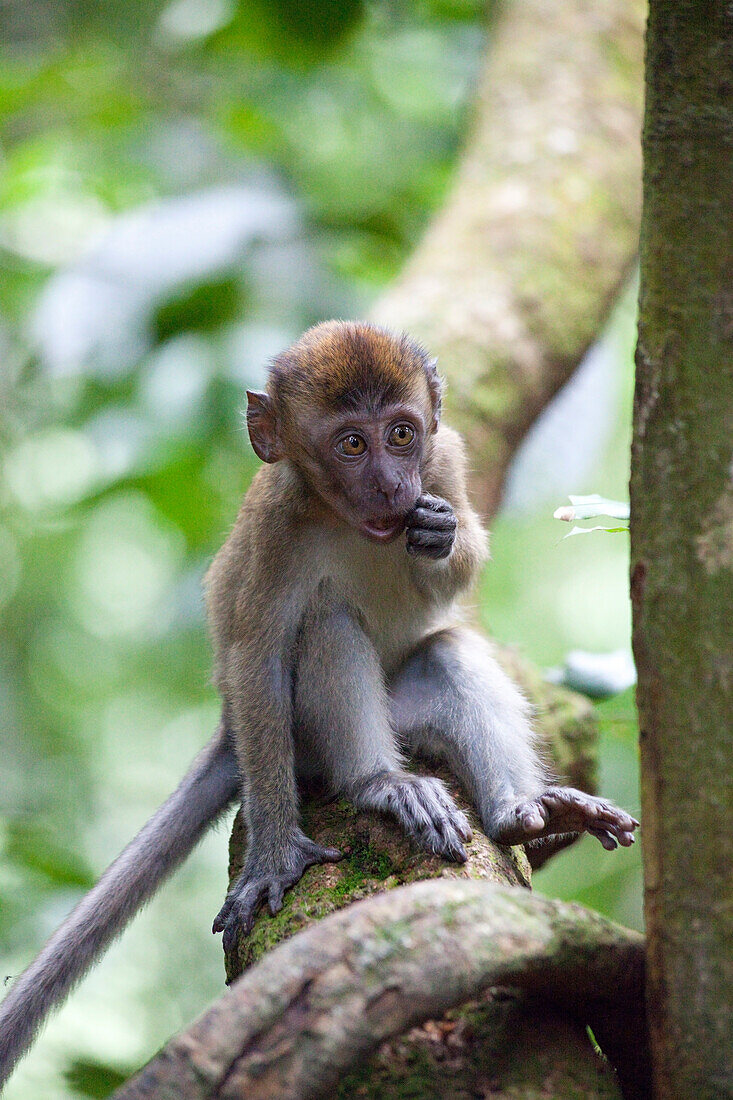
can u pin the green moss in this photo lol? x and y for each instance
(373, 1080)
(364, 861)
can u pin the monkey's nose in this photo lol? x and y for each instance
(389, 490)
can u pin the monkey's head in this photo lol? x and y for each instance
(354, 408)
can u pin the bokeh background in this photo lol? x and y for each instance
(184, 187)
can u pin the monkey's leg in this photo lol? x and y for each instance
(451, 699)
(343, 723)
(278, 851)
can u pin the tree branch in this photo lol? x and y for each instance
(515, 277)
(293, 1024)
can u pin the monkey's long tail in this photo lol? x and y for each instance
(209, 786)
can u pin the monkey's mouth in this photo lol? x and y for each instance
(383, 529)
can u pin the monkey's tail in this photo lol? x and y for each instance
(211, 783)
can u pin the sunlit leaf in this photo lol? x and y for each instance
(588, 507)
(587, 531)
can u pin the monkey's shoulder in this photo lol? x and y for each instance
(258, 555)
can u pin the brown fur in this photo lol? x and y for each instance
(345, 365)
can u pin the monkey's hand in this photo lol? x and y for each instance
(431, 528)
(565, 810)
(260, 882)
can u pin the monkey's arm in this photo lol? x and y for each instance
(210, 785)
(256, 684)
(445, 538)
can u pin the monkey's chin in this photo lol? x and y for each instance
(383, 530)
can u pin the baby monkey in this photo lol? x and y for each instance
(333, 612)
(339, 647)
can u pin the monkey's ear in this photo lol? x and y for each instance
(435, 385)
(262, 426)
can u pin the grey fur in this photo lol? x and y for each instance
(451, 700)
(210, 785)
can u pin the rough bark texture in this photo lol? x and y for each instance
(318, 1004)
(515, 277)
(505, 1046)
(682, 542)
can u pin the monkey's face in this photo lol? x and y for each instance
(366, 466)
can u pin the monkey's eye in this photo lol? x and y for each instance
(351, 445)
(401, 435)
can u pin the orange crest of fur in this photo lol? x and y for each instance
(344, 364)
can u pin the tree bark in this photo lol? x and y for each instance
(682, 543)
(515, 277)
(316, 1005)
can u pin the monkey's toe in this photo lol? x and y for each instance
(438, 824)
(256, 886)
(566, 810)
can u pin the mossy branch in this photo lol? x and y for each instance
(312, 1008)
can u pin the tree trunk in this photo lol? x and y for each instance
(682, 543)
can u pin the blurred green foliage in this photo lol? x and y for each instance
(184, 186)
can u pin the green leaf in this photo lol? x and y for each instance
(587, 531)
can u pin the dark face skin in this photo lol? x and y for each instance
(369, 467)
(365, 466)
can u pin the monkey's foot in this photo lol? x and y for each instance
(256, 885)
(565, 810)
(424, 809)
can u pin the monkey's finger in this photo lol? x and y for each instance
(430, 536)
(221, 917)
(442, 839)
(567, 801)
(431, 544)
(275, 896)
(462, 826)
(316, 853)
(446, 820)
(433, 503)
(434, 521)
(453, 848)
(618, 817)
(457, 818)
(607, 840)
(332, 855)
